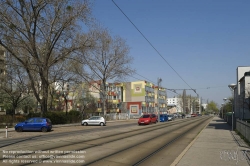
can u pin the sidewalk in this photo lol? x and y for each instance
(216, 145)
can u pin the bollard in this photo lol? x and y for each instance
(6, 132)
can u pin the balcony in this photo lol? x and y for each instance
(149, 89)
(162, 93)
(149, 99)
(162, 101)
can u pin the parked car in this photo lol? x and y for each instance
(34, 124)
(94, 120)
(163, 117)
(175, 115)
(193, 115)
(188, 116)
(147, 119)
(171, 117)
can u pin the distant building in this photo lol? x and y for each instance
(192, 105)
(133, 98)
(204, 106)
(114, 96)
(175, 103)
(144, 97)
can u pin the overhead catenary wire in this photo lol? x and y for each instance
(171, 91)
(153, 47)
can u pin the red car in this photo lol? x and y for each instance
(147, 119)
(193, 115)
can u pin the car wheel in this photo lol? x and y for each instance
(19, 129)
(85, 124)
(44, 129)
(101, 124)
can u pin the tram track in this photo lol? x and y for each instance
(140, 152)
(89, 144)
(9, 142)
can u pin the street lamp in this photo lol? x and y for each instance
(232, 87)
(158, 104)
(222, 104)
(225, 99)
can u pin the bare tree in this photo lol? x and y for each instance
(14, 88)
(40, 34)
(65, 78)
(108, 60)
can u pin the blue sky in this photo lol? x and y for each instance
(204, 41)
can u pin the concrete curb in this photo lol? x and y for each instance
(177, 160)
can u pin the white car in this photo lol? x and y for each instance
(94, 120)
(170, 117)
(188, 116)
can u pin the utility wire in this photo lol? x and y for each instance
(155, 83)
(153, 46)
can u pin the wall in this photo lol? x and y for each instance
(243, 128)
(240, 71)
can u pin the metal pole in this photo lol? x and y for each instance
(232, 87)
(6, 132)
(222, 111)
(232, 110)
(158, 82)
(232, 120)
(225, 99)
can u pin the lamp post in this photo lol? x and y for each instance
(222, 104)
(225, 99)
(158, 104)
(232, 87)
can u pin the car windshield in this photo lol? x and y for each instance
(145, 116)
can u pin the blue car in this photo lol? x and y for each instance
(34, 124)
(163, 117)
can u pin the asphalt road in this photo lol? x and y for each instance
(118, 143)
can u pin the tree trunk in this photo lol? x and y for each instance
(103, 93)
(45, 89)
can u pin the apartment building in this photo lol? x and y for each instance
(192, 104)
(144, 97)
(133, 98)
(243, 100)
(114, 96)
(161, 99)
(176, 103)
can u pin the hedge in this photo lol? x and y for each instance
(55, 117)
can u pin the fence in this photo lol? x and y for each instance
(243, 128)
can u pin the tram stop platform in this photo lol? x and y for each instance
(215, 145)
